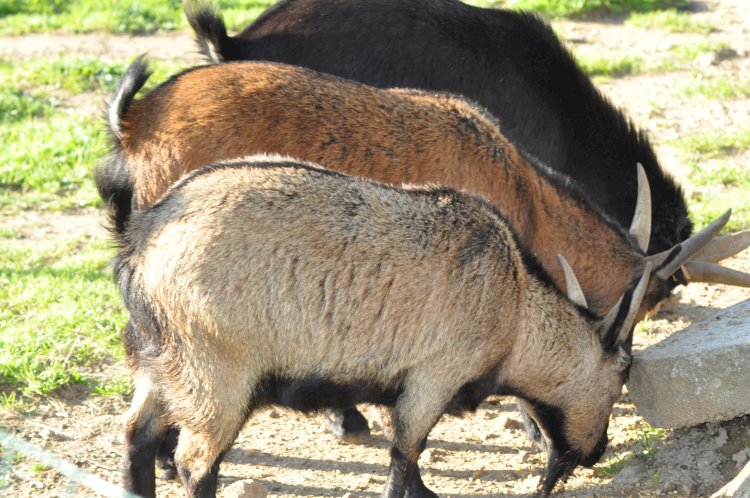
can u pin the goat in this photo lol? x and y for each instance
(212, 113)
(510, 62)
(269, 281)
(223, 111)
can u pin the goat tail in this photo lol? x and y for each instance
(112, 178)
(210, 30)
(132, 81)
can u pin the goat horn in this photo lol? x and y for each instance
(575, 293)
(635, 305)
(640, 229)
(724, 246)
(693, 245)
(702, 271)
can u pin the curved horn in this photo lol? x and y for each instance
(640, 229)
(693, 245)
(575, 293)
(702, 271)
(723, 247)
(627, 324)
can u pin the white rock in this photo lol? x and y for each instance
(244, 489)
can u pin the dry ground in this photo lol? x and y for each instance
(483, 455)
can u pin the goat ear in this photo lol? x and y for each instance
(615, 328)
(575, 293)
(640, 229)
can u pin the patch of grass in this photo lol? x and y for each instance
(715, 143)
(119, 386)
(648, 436)
(39, 468)
(670, 20)
(655, 479)
(723, 175)
(48, 153)
(614, 465)
(59, 312)
(645, 326)
(72, 74)
(573, 8)
(719, 87)
(728, 188)
(17, 105)
(80, 16)
(131, 16)
(11, 401)
(611, 67)
(704, 209)
(52, 157)
(686, 53)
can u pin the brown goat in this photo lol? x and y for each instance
(219, 112)
(267, 281)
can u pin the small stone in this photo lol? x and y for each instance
(432, 455)
(508, 422)
(274, 414)
(244, 489)
(740, 457)
(53, 435)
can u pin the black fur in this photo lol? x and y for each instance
(113, 178)
(205, 487)
(510, 62)
(140, 460)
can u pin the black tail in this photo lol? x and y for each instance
(210, 30)
(113, 178)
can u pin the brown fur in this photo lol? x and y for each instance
(246, 270)
(395, 136)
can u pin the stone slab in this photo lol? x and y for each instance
(699, 374)
(739, 487)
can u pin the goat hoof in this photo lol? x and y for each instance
(349, 426)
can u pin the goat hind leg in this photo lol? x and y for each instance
(412, 419)
(144, 432)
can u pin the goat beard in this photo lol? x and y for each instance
(559, 467)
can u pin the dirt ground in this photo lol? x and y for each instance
(482, 455)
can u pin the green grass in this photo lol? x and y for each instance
(719, 87)
(611, 67)
(59, 312)
(679, 57)
(59, 309)
(74, 74)
(614, 465)
(715, 143)
(574, 8)
(687, 53)
(51, 160)
(725, 176)
(705, 209)
(719, 187)
(648, 436)
(117, 16)
(48, 153)
(669, 20)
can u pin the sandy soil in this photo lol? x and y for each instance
(486, 454)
